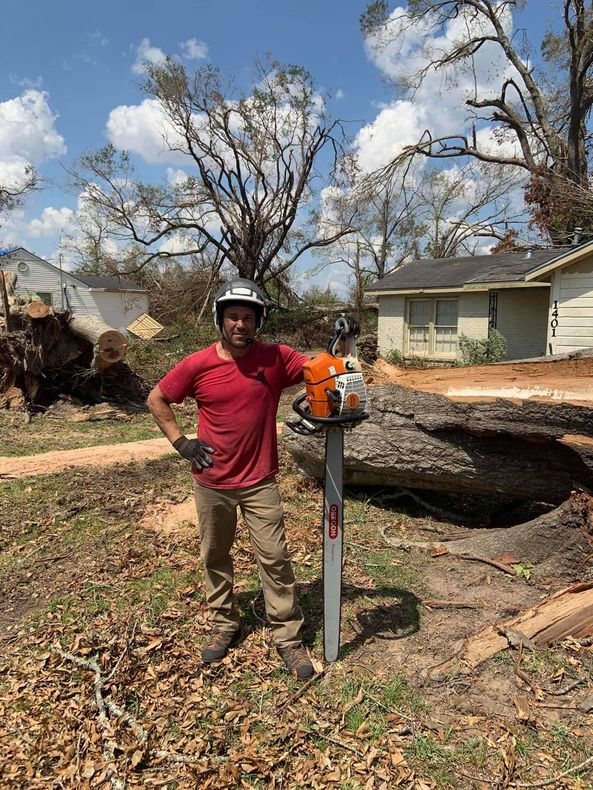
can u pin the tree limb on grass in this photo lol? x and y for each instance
(586, 764)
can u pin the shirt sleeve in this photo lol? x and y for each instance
(293, 362)
(177, 384)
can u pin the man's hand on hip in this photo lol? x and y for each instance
(195, 451)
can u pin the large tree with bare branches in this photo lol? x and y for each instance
(542, 111)
(251, 165)
(403, 213)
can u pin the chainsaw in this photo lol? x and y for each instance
(334, 400)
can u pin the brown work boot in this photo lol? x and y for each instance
(219, 645)
(297, 660)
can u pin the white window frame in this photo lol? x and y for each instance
(48, 295)
(430, 352)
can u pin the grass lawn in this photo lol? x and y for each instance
(103, 602)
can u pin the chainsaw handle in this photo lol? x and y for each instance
(344, 328)
(308, 417)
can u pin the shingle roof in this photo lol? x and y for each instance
(112, 283)
(457, 272)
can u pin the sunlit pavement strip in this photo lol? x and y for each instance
(100, 455)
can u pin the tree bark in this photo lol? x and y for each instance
(558, 543)
(529, 450)
(109, 344)
(6, 279)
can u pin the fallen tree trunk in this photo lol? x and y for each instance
(527, 449)
(109, 345)
(558, 543)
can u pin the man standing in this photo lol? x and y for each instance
(237, 383)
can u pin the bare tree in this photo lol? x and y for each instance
(12, 195)
(383, 215)
(407, 212)
(547, 121)
(252, 162)
(460, 206)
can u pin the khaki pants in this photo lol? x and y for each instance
(261, 509)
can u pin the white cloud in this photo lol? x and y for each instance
(15, 229)
(27, 129)
(176, 177)
(193, 49)
(177, 244)
(52, 221)
(144, 129)
(145, 54)
(27, 136)
(340, 94)
(26, 82)
(399, 50)
(11, 229)
(396, 126)
(12, 172)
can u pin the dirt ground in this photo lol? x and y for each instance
(103, 614)
(12, 467)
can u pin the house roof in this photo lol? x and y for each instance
(437, 273)
(110, 283)
(113, 283)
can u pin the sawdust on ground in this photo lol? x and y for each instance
(13, 467)
(556, 380)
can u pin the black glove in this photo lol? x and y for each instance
(195, 451)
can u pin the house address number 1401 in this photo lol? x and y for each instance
(554, 321)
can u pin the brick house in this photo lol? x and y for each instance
(541, 301)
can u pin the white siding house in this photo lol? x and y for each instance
(117, 301)
(541, 301)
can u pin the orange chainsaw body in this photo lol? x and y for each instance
(334, 385)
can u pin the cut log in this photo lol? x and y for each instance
(45, 359)
(38, 309)
(109, 344)
(532, 447)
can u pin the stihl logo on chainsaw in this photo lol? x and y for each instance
(333, 522)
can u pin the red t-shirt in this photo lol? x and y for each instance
(237, 402)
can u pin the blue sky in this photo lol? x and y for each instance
(66, 66)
